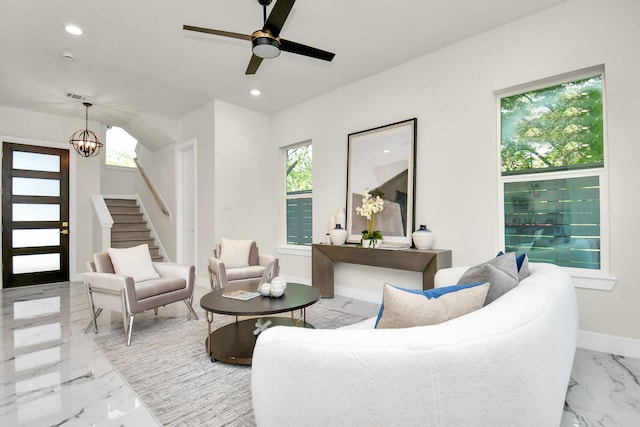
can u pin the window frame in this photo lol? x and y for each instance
(286, 247)
(584, 278)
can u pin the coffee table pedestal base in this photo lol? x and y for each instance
(234, 343)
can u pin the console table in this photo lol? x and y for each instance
(323, 257)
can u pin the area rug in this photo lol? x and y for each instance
(168, 368)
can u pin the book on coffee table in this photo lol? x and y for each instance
(240, 294)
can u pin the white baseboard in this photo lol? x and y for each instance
(627, 347)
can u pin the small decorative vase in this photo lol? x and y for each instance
(423, 238)
(340, 218)
(367, 243)
(338, 235)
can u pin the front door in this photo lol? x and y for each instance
(35, 215)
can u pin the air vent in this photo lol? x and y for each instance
(77, 97)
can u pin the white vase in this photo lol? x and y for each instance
(366, 243)
(423, 238)
(338, 235)
(340, 218)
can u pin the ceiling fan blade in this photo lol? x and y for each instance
(254, 63)
(278, 15)
(301, 49)
(217, 32)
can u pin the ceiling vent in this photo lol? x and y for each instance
(77, 97)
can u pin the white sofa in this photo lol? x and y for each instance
(507, 364)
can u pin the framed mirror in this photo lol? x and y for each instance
(382, 160)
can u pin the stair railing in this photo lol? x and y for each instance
(104, 219)
(152, 188)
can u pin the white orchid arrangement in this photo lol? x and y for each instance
(370, 207)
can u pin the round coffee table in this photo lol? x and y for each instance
(234, 343)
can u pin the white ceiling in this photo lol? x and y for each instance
(135, 59)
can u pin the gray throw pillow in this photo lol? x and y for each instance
(501, 272)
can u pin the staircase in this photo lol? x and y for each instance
(129, 227)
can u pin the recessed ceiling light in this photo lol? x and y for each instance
(73, 29)
(255, 92)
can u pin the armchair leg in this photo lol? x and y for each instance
(188, 303)
(94, 321)
(129, 329)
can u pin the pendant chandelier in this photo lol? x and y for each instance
(85, 142)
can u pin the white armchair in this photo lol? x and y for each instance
(162, 283)
(238, 261)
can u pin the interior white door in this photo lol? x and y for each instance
(188, 206)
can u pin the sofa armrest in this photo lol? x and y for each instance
(448, 276)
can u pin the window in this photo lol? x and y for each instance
(552, 172)
(299, 185)
(120, 148)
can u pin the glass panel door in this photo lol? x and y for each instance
(35, 215)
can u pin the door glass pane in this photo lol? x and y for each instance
(36, 161)
(36, 212)
(37, 237)
(35, 263)
(36, 187)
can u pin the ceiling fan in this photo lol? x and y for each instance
(266, 42)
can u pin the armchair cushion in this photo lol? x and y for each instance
(162, 285)
(134, 262)
(235, 253)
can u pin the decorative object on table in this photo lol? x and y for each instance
(370, 207)
(332, 222)
(423, 238)
(275, 289)
(278, 286)
(340, 218)
(338, 235)
(261, 326)
(240, 294)
(265, 289)
(371, 243)
(383, 160)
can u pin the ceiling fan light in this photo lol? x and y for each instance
(266, 47)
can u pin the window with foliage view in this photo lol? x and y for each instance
(299, 195)
(120, 148)
(552, 159)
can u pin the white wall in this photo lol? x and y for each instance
(246, 198)
(452, 93)
(117, 181)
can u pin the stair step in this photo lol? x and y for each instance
(131, 242)
(129, 226)
(128, 235)
(124, 209)
(120, 202)
(128, 218)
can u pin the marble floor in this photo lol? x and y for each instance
(55, 375)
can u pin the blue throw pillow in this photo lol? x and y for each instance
(430, 293)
